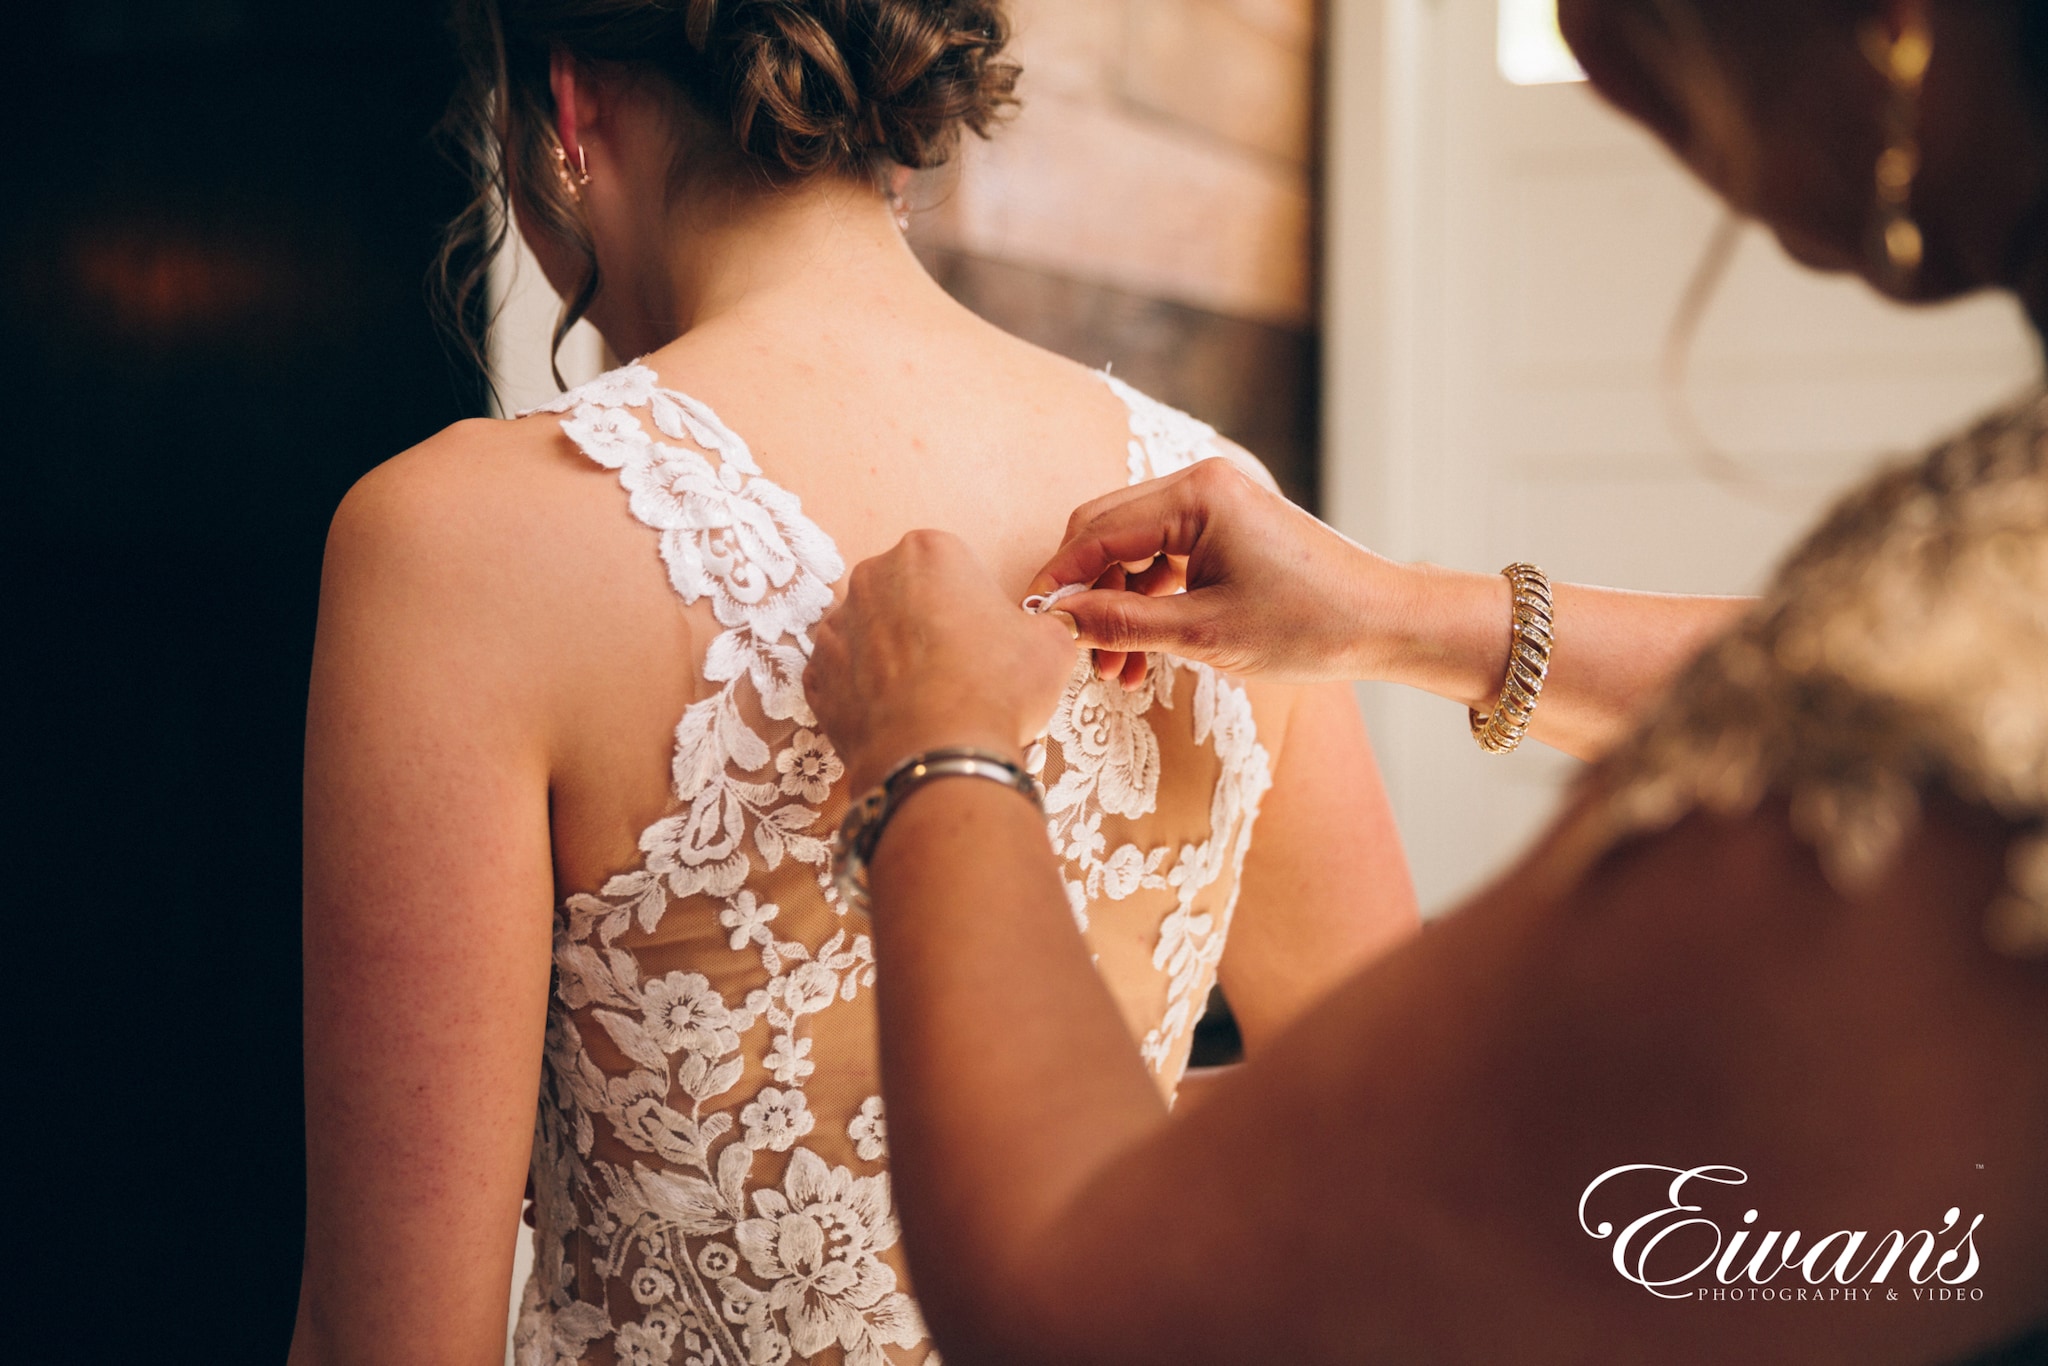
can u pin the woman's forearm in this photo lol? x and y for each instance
(988, 997)
(1271, 591)
(1448, 632)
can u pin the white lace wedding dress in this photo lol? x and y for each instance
(710, 1157)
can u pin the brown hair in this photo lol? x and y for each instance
(802, 88)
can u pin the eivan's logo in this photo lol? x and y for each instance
(1661, 1250)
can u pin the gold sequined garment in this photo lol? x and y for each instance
(1902, 650)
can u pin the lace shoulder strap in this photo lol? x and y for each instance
(730, 534)
(1163, 440)
(726, 530)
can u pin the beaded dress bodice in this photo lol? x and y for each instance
(710, 1156)
(1901, 651)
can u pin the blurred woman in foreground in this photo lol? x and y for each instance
(1748, 1060)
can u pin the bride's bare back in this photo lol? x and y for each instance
(932, 420)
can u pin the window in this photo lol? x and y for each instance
(1531, 50)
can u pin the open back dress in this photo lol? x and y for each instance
(710, 1161)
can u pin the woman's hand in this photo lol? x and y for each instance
(928, 651)
(1272, 591)
(1269, 589)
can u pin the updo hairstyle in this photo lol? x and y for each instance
(793, 88)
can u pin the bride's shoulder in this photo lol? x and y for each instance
(480, 468)
(489, 516)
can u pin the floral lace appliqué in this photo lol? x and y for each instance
(689, 1207)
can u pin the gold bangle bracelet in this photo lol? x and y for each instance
(1528, 663)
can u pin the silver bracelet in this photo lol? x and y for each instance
(865, 820)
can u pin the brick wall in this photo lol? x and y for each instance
(1152, 207)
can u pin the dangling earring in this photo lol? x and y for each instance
(572, 181)
(893, 179)
(1896, 245)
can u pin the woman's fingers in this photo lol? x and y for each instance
(1124, 623)
(1133, 676)
(1164, 575)
(1134, 548)
(1096, 507)
(1139, 540)
(1110, 663)
(1135, 525)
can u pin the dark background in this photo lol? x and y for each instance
(218, 221)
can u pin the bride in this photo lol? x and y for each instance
(567, 808)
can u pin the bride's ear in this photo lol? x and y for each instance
(576, 108)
